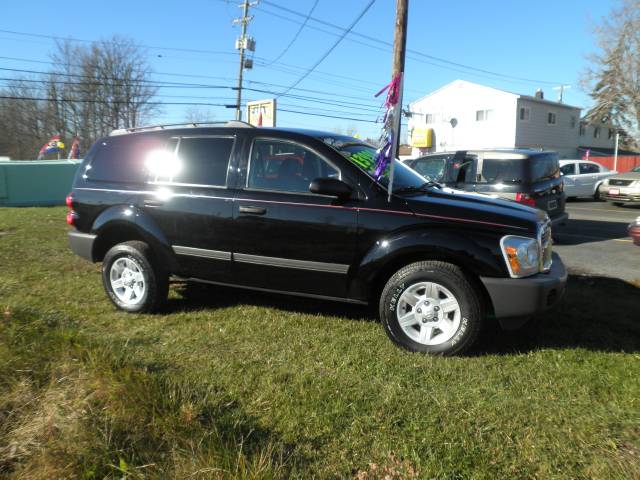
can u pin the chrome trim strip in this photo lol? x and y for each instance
(269, 290)
(290, 263)
(201, 252)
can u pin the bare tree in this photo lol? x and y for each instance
(89, 91)
(196, 114)
(614, 79)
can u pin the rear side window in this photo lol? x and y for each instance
(122, 159)
(203, 161)
(503, 170)
(586, 168)
(520, 170)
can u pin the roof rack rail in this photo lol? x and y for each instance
(230, 123)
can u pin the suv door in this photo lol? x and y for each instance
(287, 238)
(189, 199)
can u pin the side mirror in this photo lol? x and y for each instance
(331, 187)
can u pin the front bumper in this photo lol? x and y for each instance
(82, 244)
(515, 299)
(625, 194)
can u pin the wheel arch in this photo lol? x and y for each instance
(476, 255)
(125, 223)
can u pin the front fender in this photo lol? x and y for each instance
(127, 220)
(478, 253)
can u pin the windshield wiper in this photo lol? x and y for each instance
(422, 188)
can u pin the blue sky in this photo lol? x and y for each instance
(545, 42)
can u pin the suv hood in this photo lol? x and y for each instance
(479, 209)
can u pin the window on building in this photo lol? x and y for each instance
(483, 115)
(596, 132)
(429, 118)
(573, 121)
(610, 134)
(551, 118)
(583, 129)
(524, 114)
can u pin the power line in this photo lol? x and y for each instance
(295, 37)
(388, 44)
(117, 102)
(343, 104)
(184, 75)
(150, 47)
(332, 75)
(328, 52)
(8, 97)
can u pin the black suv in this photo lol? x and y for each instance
(300, 212)
(530, 177)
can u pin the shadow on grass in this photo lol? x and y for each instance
(197, 296)
(597, 313)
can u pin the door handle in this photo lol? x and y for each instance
(150, 202)
(252, 210)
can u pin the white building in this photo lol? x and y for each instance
(464, 115)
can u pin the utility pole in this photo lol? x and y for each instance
(243, 43)
(562, 89)
(615, 155)
(397, 68)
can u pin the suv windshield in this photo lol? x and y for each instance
(363, 156)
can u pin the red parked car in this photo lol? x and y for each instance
(634, 231)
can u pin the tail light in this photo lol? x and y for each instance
(71, 214)
(525, 199)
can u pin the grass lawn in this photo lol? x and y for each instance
(236, 384)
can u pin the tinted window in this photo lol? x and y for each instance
(285, 166)
(203, 161)
(568, 169)
(122, 159)
(518, 170)
(544, 167)
(503, 170)
(586, 168)
(430, 167)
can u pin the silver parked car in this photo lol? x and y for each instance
(582, 178)
(622, 188)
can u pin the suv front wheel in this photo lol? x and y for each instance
(431, 307)
(132, 279)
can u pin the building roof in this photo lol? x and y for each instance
(525, 97)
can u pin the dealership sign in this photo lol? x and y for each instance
(262, 113)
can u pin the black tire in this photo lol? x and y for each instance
(596, 195)
(156, 279)
(454, 280)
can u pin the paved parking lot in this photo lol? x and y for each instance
(595, 240)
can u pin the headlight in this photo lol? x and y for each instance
(522, 255)
(606, 181)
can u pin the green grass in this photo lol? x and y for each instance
(234, 384)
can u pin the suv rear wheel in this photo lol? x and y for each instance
(431, 307)
(133, 280)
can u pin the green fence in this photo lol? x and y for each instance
(30, 183)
